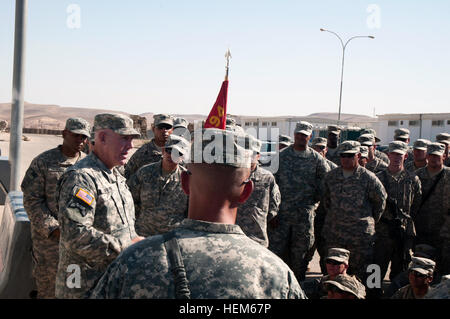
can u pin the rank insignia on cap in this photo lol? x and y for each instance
(85, 196)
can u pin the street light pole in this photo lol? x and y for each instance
(343, 57)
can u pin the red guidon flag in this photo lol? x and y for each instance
(217, 118)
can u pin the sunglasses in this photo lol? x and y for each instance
(164, 126)
(347, 155)
(417, 274)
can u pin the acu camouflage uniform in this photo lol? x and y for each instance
(404, 190)
(241, 267)
(260, 207)
(39, 187)
(146, 154)
(352, 206)
(96, 214)
(159, 200)
(298, 177)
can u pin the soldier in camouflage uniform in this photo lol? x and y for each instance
(334, 133)
(319, 144)
(420, 156)
(374, 164)
(284, 141)
(96, 211)
(300, 172)
(435, 206)
(180, 128)
(345, 287)
(364, 150)
(440, 291)
(39, 187)
(382, 156)
(262, 206)
(207, 256)
(402, 135)
(159, 200)
(151, 152)
(420, 277)
(445, 139)
(354, 200)
(395, 231)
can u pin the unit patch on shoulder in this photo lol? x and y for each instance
(85, 196)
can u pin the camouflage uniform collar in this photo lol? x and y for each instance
(68, 160)
(356, 173)
(105, 170)
(203, 226)
(301, 154)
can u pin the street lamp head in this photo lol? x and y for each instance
(322, 29)
(371, 36)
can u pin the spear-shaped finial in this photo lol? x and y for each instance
(227, 56)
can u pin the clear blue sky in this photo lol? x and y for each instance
(168, 55)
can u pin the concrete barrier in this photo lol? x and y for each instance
(16, 280)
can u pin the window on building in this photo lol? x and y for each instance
(392, 123)
(248, 123)
(413, 123)
(448, 122)
(274, 123)
(264, 123)
(255, 123)
(401, 122)
(437, 123)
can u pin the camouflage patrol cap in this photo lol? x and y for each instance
(179, 143)
(303, 128)
(366, 139)
(435, 149)
(443, 138)
(398, 147)
(349, 284)
(349, 147)
(423, 266)
(371, 131)
(255, 144)
(364, 150)
(119, 123)
(78, 125)
(338, 254)
(334, 129)
(401, 133)
(319, 141)
(230, 121)
(425, 251)
(284, 140)
(180, 122)
(421, 144)
(226, 147)
(162, 119)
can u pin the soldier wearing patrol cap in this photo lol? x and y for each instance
(444, 138)
(354, 200)
(39, 187)
(300, 172)
(420, 277)
(345, 287)
(95, 208)
(402, 134)
(262, 206)
(284, 141)
(159, 201)
(395, 231)
(334, 133)
(207, 256)
(364, 150)
(151, 152)
(180, 128)
(378, 154)
(420, 155)
(319, 144)
(435, 206)
(374, 164)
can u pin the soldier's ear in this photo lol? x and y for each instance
(248, 189)
(185, 182)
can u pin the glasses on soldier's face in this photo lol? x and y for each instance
(333, 262)
(347, 155)
(417, 274)
(164, 126)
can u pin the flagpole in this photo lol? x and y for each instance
(227, 56)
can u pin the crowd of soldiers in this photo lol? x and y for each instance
(163, 225)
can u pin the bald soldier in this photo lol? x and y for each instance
(300, 172)
(96, 211)
(207, 256)
(354, 200)
(39, 187)
(159, 200)
(263, 204)
(151, 152)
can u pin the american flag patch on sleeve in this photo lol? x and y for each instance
(85, 196)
